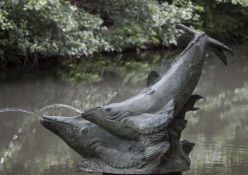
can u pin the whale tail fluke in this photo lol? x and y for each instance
(217, 47)
(187, 29)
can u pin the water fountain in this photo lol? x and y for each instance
(141, 135)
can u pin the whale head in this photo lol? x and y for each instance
(77, 132)
(98, 114)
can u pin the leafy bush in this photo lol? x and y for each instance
(32, 29)
(142, 22)
(226, 20)
(48, 28)
(45, 28)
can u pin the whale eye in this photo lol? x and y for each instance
(84, 130)
(108, 109)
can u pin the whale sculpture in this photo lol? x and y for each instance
(141, 135)
(155, 152)
(128, 125)
(178, 82)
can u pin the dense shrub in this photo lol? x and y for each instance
(141, 22)
(225, 19)
(32, 29)
(47, 28)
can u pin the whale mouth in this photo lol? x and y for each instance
(57, 123)
(52, 120)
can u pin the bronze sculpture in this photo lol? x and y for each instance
(142, 134)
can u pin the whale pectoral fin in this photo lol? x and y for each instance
(219, 53)
(152, 78)
(152, 123)
(119, 158)
(189, 106)
(156, 151)
(187, 146)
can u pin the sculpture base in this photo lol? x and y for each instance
(173, 163)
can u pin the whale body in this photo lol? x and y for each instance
(178, 82)
(103, 149)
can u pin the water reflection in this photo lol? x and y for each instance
(219, 128)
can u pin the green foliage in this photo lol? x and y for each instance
(48, 28)
(243, 3)
(226, 20)
(142, 23)
(32, 29)
(45, 28)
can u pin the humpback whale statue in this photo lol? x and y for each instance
(141, 135)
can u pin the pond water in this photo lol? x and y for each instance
(219, 129)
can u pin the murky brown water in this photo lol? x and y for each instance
(219, 128)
